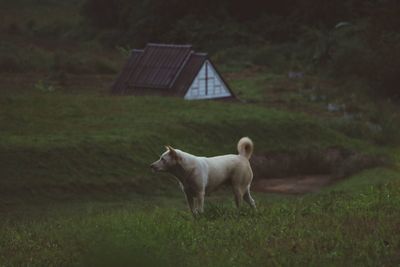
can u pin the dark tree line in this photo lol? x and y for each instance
(157, 18)
(368, 49)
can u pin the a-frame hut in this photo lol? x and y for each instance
(173, 70)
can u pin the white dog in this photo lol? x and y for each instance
(200, 175)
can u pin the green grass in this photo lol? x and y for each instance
(336, 228)
(365, 180)
(75, 188)
(74, 142)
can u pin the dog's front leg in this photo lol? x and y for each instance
(190, 202)
(200, 201)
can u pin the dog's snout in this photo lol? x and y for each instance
(153, 167)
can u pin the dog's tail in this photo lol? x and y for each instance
(245, 147)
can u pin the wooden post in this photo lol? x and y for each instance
(206, 78)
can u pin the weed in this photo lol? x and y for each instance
(44, 87)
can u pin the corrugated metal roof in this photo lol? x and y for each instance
(189, 73)
(159, 65)
(165, 69)
(121, 82)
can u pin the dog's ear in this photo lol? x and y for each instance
(169, 148)
(172, 152)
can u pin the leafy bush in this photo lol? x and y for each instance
(351, 55)
(104, 66)
(44, 87)
(10, 63)
(35, 59)
(384, 76)
(31, 58)
(351, 51)
(68, 63)
(384, 131)
(275, 57)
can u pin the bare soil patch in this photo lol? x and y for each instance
(293, 185)
(300, 172)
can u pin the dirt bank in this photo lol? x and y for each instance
(293, 185)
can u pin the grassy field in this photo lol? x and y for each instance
(337, 227)
(76, 189)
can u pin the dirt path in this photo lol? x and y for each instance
(293, 185)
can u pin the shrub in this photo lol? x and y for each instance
(234, 55)
(104, 66)
(351, 59)
(275, 57)
(385, 70)
(356, 54)
(14, 28)
(44, 87)
(10, 63)
(68, 63)
(32, 58)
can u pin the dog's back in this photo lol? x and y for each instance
(235, 168)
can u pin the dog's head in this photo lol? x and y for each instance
(168, 160)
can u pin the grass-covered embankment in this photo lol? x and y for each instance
(86, 142)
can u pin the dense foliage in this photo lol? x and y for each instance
(272, 20)
(365, 48)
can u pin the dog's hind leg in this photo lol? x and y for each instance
(238, 196)
(247, 197)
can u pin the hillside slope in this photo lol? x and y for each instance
(86, 142)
